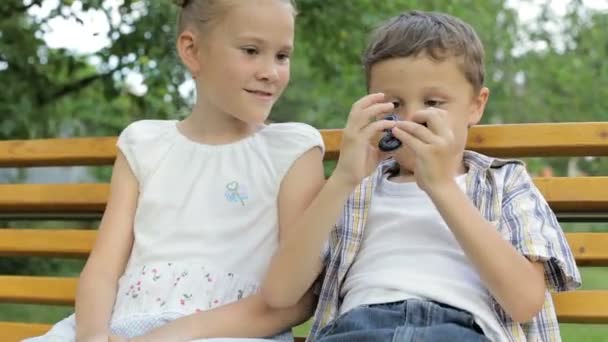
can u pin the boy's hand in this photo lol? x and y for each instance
(358, 154)
(437, 154)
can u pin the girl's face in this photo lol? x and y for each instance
(243, 59)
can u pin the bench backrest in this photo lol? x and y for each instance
(572, 198)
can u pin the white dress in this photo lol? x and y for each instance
(206, 223)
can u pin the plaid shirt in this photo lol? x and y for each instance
(505, 195)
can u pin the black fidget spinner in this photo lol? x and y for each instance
(389, 142)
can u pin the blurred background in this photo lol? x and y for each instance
(90, 67)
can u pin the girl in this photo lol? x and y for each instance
(196, 207)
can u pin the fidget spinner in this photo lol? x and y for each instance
(388, 142)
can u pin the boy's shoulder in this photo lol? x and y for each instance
(505, 175)
(478, 160)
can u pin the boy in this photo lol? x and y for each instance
(438, 243)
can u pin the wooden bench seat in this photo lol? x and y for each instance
(572, 198)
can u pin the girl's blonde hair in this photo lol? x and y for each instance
(201, 13)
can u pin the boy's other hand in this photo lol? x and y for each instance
(432, 140)
(359, 156)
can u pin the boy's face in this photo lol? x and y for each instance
(416, 83)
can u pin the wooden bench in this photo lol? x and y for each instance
(572, 198)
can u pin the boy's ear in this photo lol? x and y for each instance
(188, 50)
(478, 105)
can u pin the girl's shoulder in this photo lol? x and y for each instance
(296, 135)
(147, 130)
(286, 142)
(144, 142)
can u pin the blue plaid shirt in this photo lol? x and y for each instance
(505, 195)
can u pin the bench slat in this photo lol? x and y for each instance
(38, 290)
(47, 242)
(575, 194)
(584, 306)
(589, 249)
(53, 198)
(541, 139)
(572, 307)
(14, 331)
(566, 195)
(510, 140)
(58, 152)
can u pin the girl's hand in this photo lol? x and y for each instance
(116, 338)
(359, 155)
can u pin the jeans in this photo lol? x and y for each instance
(405, 321)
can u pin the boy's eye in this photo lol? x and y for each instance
(433, 103)
(396, 104)
(250, 50)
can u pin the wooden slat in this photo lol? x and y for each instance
(509, 140)
(572, 307)
(589, 249)
(15, 332)
(536, 140)
(575, 194)
(564, 194)
(521, 140)
(37, 290)
(47, 242)
(58, 152)
(53, 198)
(584, 306)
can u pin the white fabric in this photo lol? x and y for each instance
(409, 252)
(206, 224)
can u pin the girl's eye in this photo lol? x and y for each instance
(396, 104)
(283, 56)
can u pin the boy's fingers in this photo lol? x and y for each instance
(434, 119)
(372, 129)
(361, 119)
(367, 101)
(407, 139)
(371, 107)
(417, 130)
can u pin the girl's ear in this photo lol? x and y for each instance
(188, 51)
(478, 105)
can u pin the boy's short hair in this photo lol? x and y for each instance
(436, 34)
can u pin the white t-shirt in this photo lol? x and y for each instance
(206, 224)
(409, 252)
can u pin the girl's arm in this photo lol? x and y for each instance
(306, 223)
(98, 281)
(248, 317)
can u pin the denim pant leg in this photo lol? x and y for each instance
(373, 323)
(411, 320)
(434, 322)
